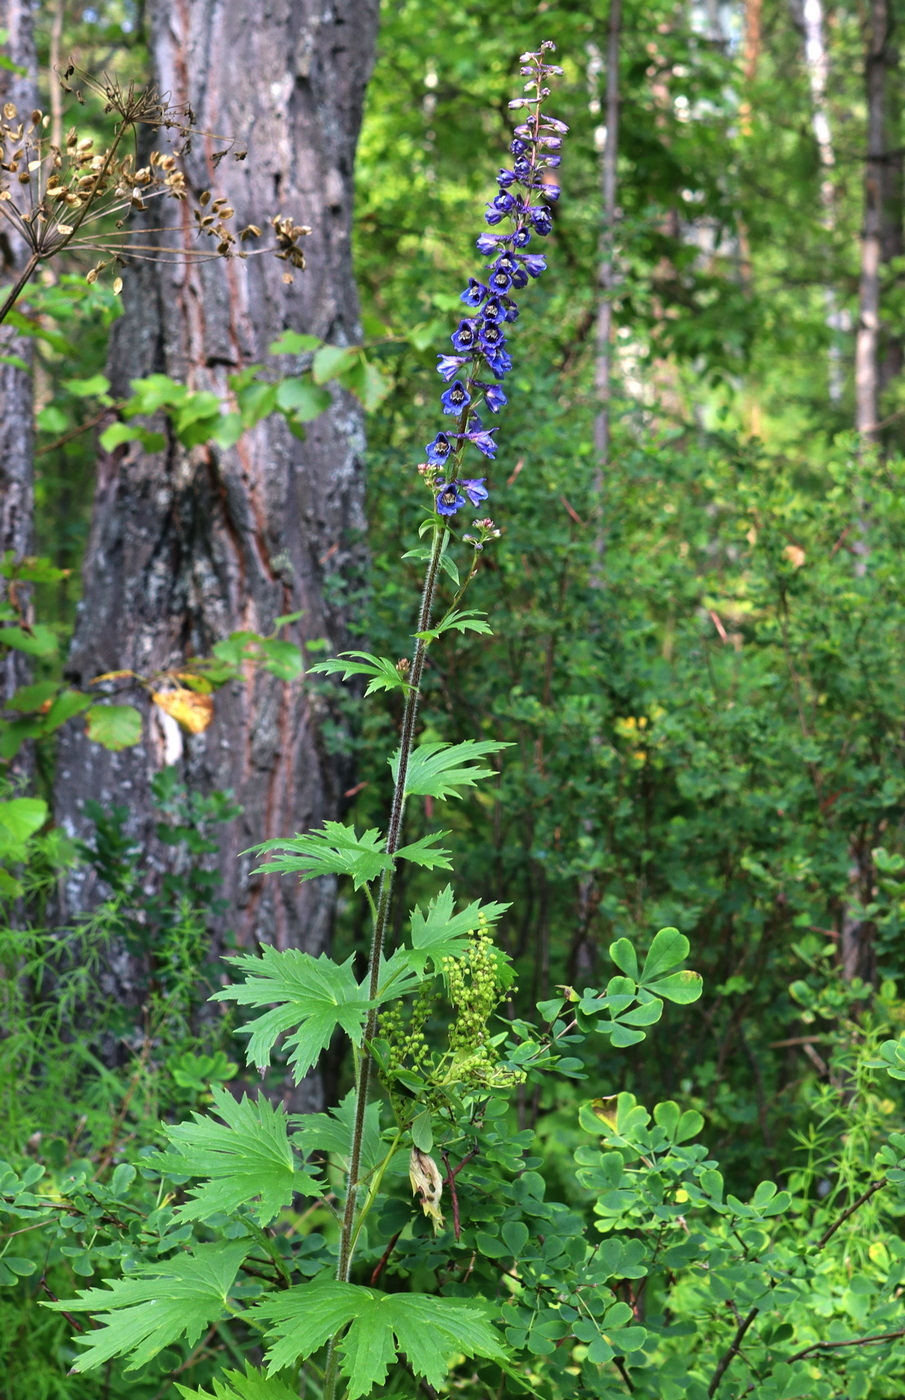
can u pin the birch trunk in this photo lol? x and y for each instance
(882, 238)
(817, 63)
(186, 545)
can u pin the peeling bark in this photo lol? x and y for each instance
(187, 546)
(16, 412)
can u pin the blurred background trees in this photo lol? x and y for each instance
(698, 656)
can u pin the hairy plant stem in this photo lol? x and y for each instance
(384, 899)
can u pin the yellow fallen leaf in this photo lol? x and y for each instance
(193, 712)
(795, 555)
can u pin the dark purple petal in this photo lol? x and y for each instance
(449, 365)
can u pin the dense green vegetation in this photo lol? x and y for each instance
(689, 715)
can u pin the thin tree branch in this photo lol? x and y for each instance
(728, 1356)
(871, 1191)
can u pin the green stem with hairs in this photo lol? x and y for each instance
(349, 1232)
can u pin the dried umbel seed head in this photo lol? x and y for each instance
(75, 193)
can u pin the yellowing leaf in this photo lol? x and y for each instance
(192, 711)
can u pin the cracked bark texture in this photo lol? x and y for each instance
(16, 421)
(188, 545)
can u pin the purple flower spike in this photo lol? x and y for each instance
(475, 489)
(448, 498)
(480, 340)
(456, 398)
(474, 293)
(449, 365)
(484, 442)
(438, 450)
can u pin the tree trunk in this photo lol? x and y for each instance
(188, 545)
(818, 69)
(607, 274)
(877, 364)
(16, 420)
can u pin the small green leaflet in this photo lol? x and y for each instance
(430, 1331)
(247, 1156)
(338, 850)
(442, 934)
(383, 672)
(314, 996)
(236, 1385)
(157, 1304)
(438, 770)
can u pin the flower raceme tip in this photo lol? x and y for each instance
(479, 340)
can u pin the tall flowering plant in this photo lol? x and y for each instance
(419, 1184)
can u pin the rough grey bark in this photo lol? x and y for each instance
(189, 545)
(16, 419)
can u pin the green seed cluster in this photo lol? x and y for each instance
(475, 990)
(406, 1038)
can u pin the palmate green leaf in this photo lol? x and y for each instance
(334, 850)
(157, 1305)
(307, 996)
(439, 770)
(246, 1158)
(238, 1385)
(440, 933)
(383, 672)
(458, 621)
(430, 1331)
(337, 850)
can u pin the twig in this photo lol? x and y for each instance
(620, 1367)
(384, 1258)
(854, 1342)
(733, 1351)
(54, 1299)
(450, 1181)
(871, 1191)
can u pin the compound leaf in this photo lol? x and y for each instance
(439, 770)
(313, 996)
(245, 1157)
(442, 934)
(383, 672)
(158, 1304)
(430, 1331)
(334, 850)
(237, 1385)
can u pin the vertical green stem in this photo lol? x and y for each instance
(384, 899)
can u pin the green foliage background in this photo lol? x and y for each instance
(698, 669)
